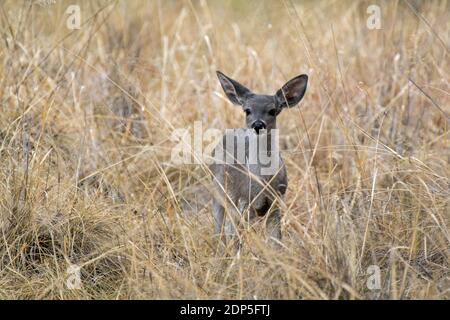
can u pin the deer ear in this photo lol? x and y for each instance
(292, 92)
(235, 91)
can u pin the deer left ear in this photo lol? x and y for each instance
(292, 92)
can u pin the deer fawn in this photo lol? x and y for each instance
(248, 189)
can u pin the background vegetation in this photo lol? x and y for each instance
(85, 129)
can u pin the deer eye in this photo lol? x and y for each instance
(273, 112)
(247, 112)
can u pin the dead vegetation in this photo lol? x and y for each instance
(85, 131)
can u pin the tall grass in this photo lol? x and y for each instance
(86, 123)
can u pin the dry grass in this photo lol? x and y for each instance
(86, 120)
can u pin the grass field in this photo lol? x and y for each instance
(88, 192)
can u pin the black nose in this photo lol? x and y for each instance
(258, 125)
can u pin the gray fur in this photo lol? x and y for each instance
(241, 190)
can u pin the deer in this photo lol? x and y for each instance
(245, 190)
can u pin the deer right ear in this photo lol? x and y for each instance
(235, 91)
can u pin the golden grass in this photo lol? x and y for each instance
(87, 117)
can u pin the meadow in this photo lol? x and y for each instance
(91, 207)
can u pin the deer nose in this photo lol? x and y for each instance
(258, 125)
